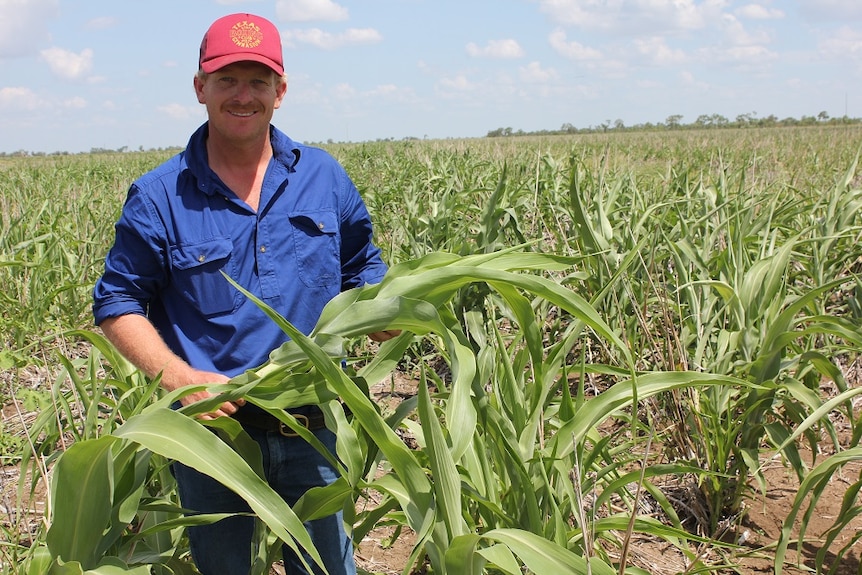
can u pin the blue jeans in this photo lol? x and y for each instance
(292, 466)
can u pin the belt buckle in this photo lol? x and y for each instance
(285, 429)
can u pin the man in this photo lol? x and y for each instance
(284, 221)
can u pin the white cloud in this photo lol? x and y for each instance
(760, 12)
(571, 12)
(23, 25)
(750, 57)
(503, 49)
(310, 10)
(74, 103)
(571, 50)
(179, 112)
(688, 79)
(328, 41)
(657, 52)
(67, 64)
(534, 73)
(102, 23)
(842, 43)
(393, 93)
(835, 10)
(384, 90)
(381, 92)
(20, 98)
(459, 83)
(344, 91)
(736, 34)
(633, 15)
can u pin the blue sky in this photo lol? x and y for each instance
(82, 74)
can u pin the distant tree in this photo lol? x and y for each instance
(823, 116)
(500, 132)
(703, 120)
(769, 120)
(673, 121)
(746, 119)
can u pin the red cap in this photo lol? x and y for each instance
(241, 37)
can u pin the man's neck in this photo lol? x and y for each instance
(241, 168)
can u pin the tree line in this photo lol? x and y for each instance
(675, 122)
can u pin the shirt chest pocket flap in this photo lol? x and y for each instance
(197, 275)
(316, 242)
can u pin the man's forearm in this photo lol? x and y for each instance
(139, 342)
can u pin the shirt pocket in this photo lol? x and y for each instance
(197, 276)
(315, 238)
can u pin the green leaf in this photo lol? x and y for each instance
(180, 438)
(447, 482)
(38, 561)
(810, 487)
(542, 556)
(461, 556)
(502, 558)
(622, 393)
(82, 492)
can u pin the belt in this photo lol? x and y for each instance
(312, 420)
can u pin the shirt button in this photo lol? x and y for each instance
(202, 258)
(263, 249)
(320, 225)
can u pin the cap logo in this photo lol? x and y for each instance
(246, 34)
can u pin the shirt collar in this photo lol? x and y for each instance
(285, 151)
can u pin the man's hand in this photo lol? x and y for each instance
(197, 377)
(381, 336)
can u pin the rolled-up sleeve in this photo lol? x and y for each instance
(135, 265)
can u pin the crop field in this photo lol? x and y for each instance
(630, 352)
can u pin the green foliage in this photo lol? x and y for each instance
(693, 289)
(11, 446)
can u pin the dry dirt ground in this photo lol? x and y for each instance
(378, 554)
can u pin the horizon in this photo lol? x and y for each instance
(673, 124)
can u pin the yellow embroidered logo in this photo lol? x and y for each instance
(246, 35)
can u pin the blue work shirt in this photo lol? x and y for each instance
(181, 225)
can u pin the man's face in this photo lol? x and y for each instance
(240, 99)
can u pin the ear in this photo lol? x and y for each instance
(199, 89)
(280, 91)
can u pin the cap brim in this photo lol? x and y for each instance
(220, 62)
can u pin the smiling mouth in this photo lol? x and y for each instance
(243, 114)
